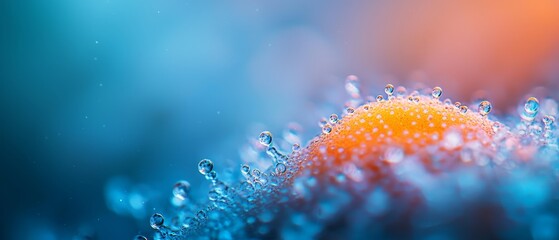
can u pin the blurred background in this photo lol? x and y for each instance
(105, 104)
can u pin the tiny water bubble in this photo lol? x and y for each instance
(296, 147)
(265, 138)
(280, 168)
(181, 189)
(245, 169)
(156, 221)
(548, 120)
(532, 105)
(437, 92)
(334, 118)
(463, 109)
(212, 175)
(205, 166)
(457, 104)
(140, 237)
(380, 98)
(531, 108)
(350, 110)
(327, 129)
(389, 89)
(484, 108)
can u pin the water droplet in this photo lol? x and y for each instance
(322, 122)
(389, 89)
(280, 168)
(140, 237)
(380, 98)
(296, 147)
(352, 86)
(532, 105)
(548, 120)
(531, 108)
(245, 169)
(350, 110)
(394, 155)
(156, 221)
(327, 129)
(212, 176)
(205, 166)
(457, 104)
(181, 189)
(333, 118)
(265, 138)
(463, 109)
(484, 108)
(201, 215)
(437, 92)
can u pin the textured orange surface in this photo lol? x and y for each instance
(372, 129)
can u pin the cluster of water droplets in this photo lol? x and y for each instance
(297, 198)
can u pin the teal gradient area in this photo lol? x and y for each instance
(105, 104)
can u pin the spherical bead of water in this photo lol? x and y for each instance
(389, 89)
(380, 98)
(156, 221)
(296, 147)
(484, 108)
(327, 129)
(532, 105)
(245, 169)
(181, 189)
(205, 166)
(333, 118)
(280, 168)
(265, 138)
(463, 109)
(437, 92)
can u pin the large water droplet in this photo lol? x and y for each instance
(389, 89)
(327, 129)
(437, 92)
(280, 168)
(265, 138)
(205, 166)
(532, 105)
(156, 221)
(484, 108)
(181, 189)
(333, 118)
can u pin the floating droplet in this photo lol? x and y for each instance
(350, 110)
(389, 89)
(531, 108)
(245, 169)
(352, 86)
(280, 168)
(437, 92)
(484, 108)
(265, 138)
(181, 189)
(548, 120)
(380, 98)
(457, 104)
(205, 166)
(296, 147)
(463, 109)
(211, 176)
(140, 237)
(156, 221)
(322, 122)
(333, 118)
(532, 105)
(327, 129)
